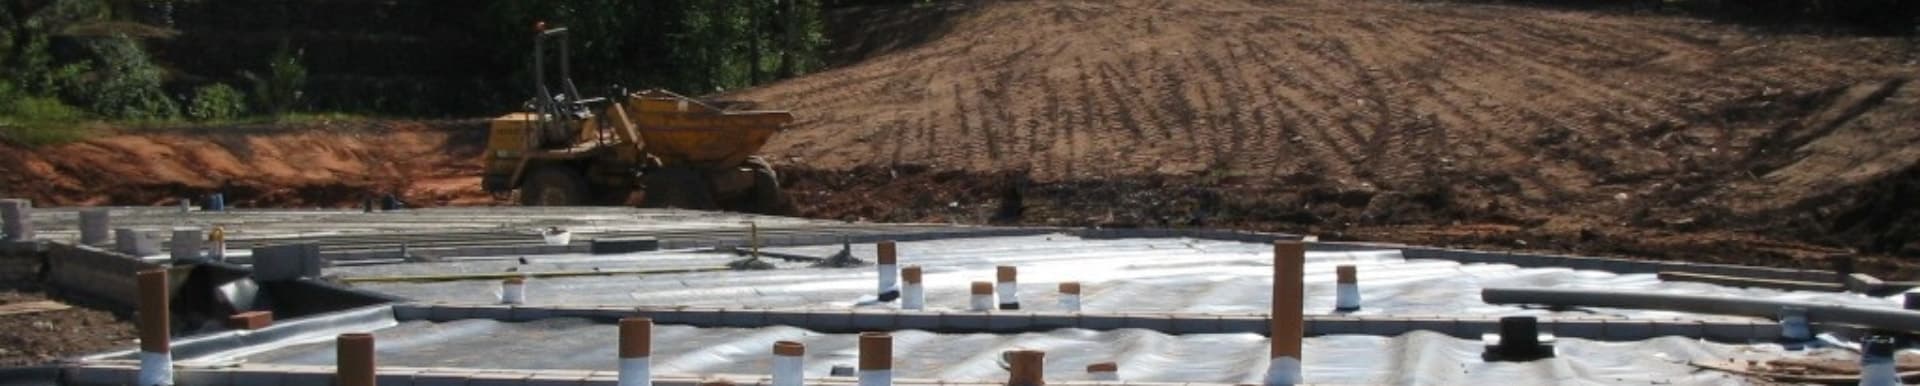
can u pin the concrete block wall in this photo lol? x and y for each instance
(117, 374)
(19, 267)
(95, 272)
(1007, 322)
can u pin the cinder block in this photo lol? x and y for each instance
(447, 313)
(443, 377)
(252, 376)
(307, 377)
(1047, 321)
(787, 318)
(1156, 322)
(528, 314)
(1730, 331)
(1436, 324)
(1765, 330)
(830, 320)
(393, 377)
(744, 318)
(875, 321)
(1686, 328)
(1625, 330)
(1102, 322)
(1244, 324)
(918, 320)
(1009, 321)
(1583, 328)
(494, 312)
(965, 321)
(498, 379)
(102, 375)
(1388, 326)
(1196, 324)
(553, 378)
(1317, 325)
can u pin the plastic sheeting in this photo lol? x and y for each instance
(1414, 358)
(1126, 275)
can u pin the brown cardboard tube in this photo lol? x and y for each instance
(636, 337)
(1345, 274)
(155, 333)
(910, 274)
(787, 348)
(1070, 288)
(982, 288)
(355, 359)
(888, 254)
(1006, 273)
(1027, 368)
(876, 351)
(1103, 367)
(1289, 260)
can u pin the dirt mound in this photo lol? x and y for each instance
(321, 164)
(1608, 133)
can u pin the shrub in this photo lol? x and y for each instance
(279, 92)
(128, 85)
(216, 102)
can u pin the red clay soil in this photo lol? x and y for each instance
(327, 164)
(1450, 124)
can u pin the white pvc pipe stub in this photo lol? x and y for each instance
(636, 348)
(1346, 289)
(788, 362)
(913, 296)
(1070, 296)
(982, 296)
(1009, 287)
(1283, 371)
(513, 291)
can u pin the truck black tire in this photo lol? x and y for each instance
(553, 185)
(677, 188)
(766, 197)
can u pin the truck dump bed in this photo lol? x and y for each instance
(680, 129)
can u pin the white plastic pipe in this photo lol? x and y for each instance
(913, 297)
(1346, 289)
(1104, 371)
(156, 369)
(636, 371)
(889, 278)
(1070, 296)
(513, 292)
(876, 377)
(1283, 371)
(1008, 288)
(788, 361)
(982, 296)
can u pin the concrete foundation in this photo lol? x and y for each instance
(17, 216)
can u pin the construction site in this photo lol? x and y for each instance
(1207, 192)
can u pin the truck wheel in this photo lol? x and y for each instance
(553, 185)
(766, 197)
(677, 188)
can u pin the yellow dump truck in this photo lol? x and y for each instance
(676, 151)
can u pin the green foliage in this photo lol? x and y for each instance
(37, 120)
(126, 84)
(216, 102)
(281, 90)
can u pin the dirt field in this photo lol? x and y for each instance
(1436, 123)
(33, 339)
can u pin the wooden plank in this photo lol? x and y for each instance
(32, 307)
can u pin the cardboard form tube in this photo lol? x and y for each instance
(788, 362)
(355, 359)
(913, 295)
(1009, 290)
(876, 359)
(889, 270)
(156, 352)
(1027, 368)
(1104, 371)
(1346, 289)
(636, 346)
(1289, 261)
(982, 296)
(1070, 296)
